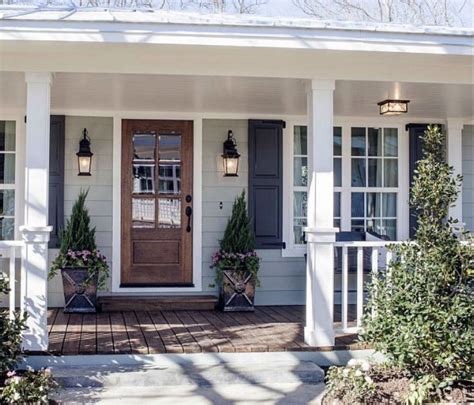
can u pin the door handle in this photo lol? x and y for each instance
(189, 212)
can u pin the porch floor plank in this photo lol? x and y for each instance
(105, 342)
(72, 338)
(269, 328)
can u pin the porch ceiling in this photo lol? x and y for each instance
(233, 95)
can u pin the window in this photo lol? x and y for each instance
(7, 179)
(374, 180)
(300, 181)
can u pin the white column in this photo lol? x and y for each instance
(454, 157)
(320, 232)
(36, 230)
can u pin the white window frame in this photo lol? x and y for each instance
(18, 118)
(346, 123)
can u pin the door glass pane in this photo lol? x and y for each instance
(143, 179)
(143, 212)
(357, 204)
(373, 204)
(389, 205)
(300, 172)
(390, 142)
(375, 141)
(300, 146)
(169, 213)
(7, 202)
(170, 179)
(391, 173)
(7, 168)
(337, 147)
(358, 172)
(375, 225)
(358, 141)
(300, 204)
(7, 229)
(170, 147)
(375, 172)
(7, 135)
(144, 146)
(298, 232)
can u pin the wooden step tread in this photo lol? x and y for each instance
(165, 302)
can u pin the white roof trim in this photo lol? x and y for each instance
(96, 14)
(65, 24)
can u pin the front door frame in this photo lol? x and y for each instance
(197, 203)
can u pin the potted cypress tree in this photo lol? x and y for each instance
(83, 267)
(236, 263)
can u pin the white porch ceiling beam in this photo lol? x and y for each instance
(36, 230)
(234, 61)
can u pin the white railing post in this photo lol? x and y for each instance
(12, 280)
(36, 231)
(320, 233)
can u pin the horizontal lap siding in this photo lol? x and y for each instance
(99, 200)
(282, 279)
(468, 176)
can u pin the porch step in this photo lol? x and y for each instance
(158, 303)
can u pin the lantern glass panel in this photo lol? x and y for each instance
(84, 164)
(231, 166)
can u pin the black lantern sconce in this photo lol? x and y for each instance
(393, 107)
(230, 156)
(84, 156)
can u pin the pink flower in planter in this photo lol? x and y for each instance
(11, 373)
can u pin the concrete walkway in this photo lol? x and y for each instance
(273, 381)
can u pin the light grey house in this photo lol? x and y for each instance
(318, 155)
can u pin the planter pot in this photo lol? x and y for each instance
(237, 290)
(78, 297)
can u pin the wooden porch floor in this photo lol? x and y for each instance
(276, 328)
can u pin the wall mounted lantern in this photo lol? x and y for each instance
(393, 107)
(84, 156)
(230, 156)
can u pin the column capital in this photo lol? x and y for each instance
(35, 234)
(321, 84)
(39, 77)
(455, 123)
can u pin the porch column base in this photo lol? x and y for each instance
(319, 330)
(34, 281)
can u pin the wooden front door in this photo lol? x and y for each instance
(157, 203)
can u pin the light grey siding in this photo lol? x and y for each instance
(99, 200)
(282, 279)
(468, 175)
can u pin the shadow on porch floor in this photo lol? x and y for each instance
(268, 329)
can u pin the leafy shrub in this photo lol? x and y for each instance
(419, 315)
(27, 387)
(351, 384)
(78, 247)
(10, 333)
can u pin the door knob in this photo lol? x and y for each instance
(189, 212)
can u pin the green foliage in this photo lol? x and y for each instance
(237, 248)
(28, 387)
(238, 235)
(419, 315)
(10, 333)
(351, 384)
(78, 247)
(78, 234)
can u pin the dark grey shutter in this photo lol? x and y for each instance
(266, 182)
(56, 177)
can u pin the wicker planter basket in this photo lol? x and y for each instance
(237, 291)
(79, 298)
